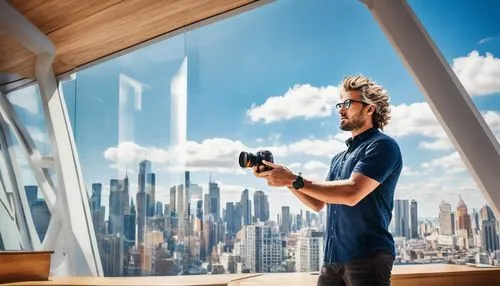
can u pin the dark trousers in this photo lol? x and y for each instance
(374, 269)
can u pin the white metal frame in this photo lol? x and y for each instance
(76, 251)
(12, 181)
(447, 98)
(71, 233)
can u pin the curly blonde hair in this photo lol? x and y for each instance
(371, 93)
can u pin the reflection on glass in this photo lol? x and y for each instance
(24, 211)
(27, 104)
(167, 196)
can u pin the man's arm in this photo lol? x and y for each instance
(309, 201)
(381, 158)
(347, 192)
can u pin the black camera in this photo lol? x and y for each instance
(249, 160)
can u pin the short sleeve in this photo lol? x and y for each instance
(381, 158)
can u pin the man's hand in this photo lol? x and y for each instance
(279, 176)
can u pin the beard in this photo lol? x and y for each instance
(357, 121)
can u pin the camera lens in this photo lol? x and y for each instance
(244, 160)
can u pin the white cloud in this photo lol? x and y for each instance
(487, 40)
(410, 172)
(295, 166)
(315, 170)
(442, 143)
(299, 101)
(26, 98)
(418, 119)
(450, 164)
(217, 154)
(38, 135)
(220, 153)
(480, 75)
(315, 165)
(316, 147)
(492, 118)
(414, 119)
(130, 152)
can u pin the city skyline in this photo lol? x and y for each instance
(171, 240)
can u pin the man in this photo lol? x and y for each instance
(359, 191)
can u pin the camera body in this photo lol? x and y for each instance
(249, 160)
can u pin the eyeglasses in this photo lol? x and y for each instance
(347, 103)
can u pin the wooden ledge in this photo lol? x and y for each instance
(408, 275)
(190, 280)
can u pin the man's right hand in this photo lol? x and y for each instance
(258, 171)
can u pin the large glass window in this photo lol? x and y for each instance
(469, 41)
(27, 192)
(159, 130)
(129, 120)
(171, 119)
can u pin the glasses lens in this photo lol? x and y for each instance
(347, 103)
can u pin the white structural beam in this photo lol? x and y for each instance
(447, 98)
(76, 251)
(28, 146)
(12, 179)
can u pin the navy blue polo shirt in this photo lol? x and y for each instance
(354, 232)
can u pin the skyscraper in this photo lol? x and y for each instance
(237, 218)
(475, 220)
(286, 221)
(261, 206)
(463, 217)
(41, 217)
(31, 193)
(141, 215)
(262, 248)
(115, 221)
(229, 217)
(150, 194)
(486, 213)
(159, 209)
(129, 224)
(402, 219)
(246, 208)
(147, 184)
(214, 194)
(464, 225)
(489, 236)
(445, 219)
(124, 188)
(414, 219)
(199, 209)
(95, 199)
(309, 250)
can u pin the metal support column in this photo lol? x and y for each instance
(447, 98)
(71, 232)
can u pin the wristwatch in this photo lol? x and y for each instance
(298, 183)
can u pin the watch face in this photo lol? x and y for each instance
(297, 184)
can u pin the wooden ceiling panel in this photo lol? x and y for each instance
(51, 15)
(87, 30)
(16, 59)
(129, 23)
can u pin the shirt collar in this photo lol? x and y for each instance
(354, 141)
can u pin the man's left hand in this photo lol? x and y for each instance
(279, 176)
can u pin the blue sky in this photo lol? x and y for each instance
(268, 78)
